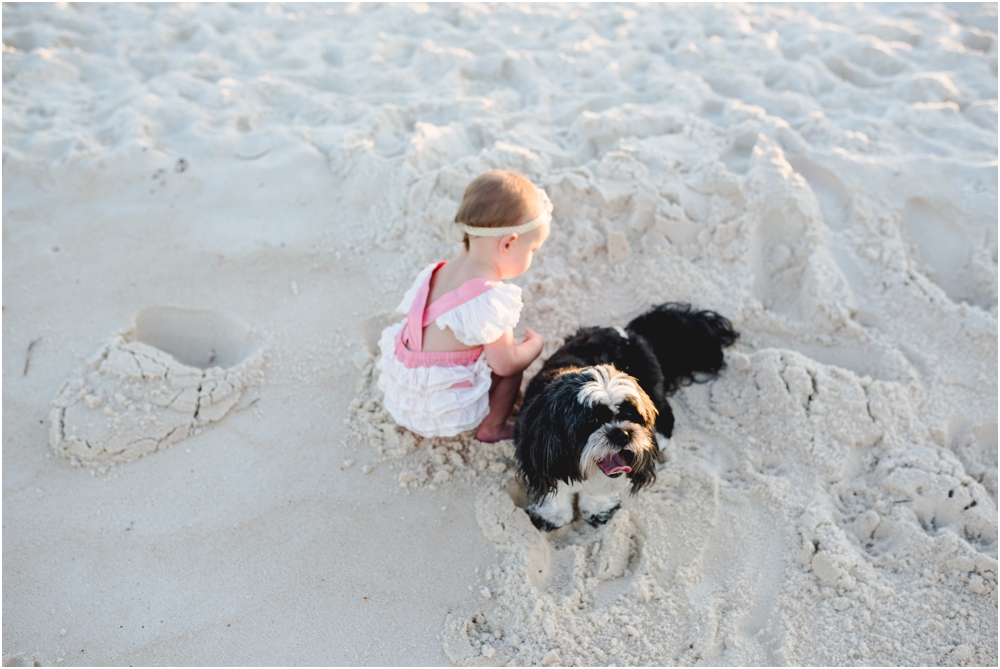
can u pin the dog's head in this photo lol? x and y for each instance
(586, 422)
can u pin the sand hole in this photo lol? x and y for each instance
(175, 372)
(201, 339)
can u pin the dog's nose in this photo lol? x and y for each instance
(618, 436)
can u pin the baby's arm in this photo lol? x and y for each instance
(507, 358)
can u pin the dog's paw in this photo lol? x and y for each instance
(541, 523)
(596, 519)
(551, 513)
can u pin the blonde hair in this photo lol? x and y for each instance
(497, 199)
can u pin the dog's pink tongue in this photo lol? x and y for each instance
(613, 464)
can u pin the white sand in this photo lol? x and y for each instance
(234, 199)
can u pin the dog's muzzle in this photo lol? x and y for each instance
(617, 463)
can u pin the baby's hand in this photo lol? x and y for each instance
(533, 340)
(506, 357)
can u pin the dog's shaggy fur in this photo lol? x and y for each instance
(589, 419)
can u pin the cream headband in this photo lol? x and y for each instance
(545, 217)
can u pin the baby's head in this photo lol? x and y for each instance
(504, 212)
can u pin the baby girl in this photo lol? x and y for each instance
(453, 364)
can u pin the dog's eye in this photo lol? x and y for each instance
(628, 412)
(597, 416)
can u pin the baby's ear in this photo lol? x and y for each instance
(508, 240)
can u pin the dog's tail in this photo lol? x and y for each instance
(688, 344)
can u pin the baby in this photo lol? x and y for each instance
(453, 364)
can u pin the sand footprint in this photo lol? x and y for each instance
(976, 448)
(940, 500)
(778, 256)
(834, 200)
(737, 156)
(945, 250)
(173, 372)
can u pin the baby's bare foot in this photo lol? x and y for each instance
(491, 434)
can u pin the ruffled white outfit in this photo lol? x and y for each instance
(440, 394)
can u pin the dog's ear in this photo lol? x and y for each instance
(644, 464)
(646, 408)
(644, 469)
(544, 434)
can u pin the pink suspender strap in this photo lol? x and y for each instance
(469, 290)
(413, 333)
(410, 340)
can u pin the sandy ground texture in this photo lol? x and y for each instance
(210, 212)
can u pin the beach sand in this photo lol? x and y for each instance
(211, 211)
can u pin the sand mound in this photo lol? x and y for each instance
(771, 526)
(174, 372)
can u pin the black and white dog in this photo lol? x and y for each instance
(589, 419)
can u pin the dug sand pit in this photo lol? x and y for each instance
(153, 386)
